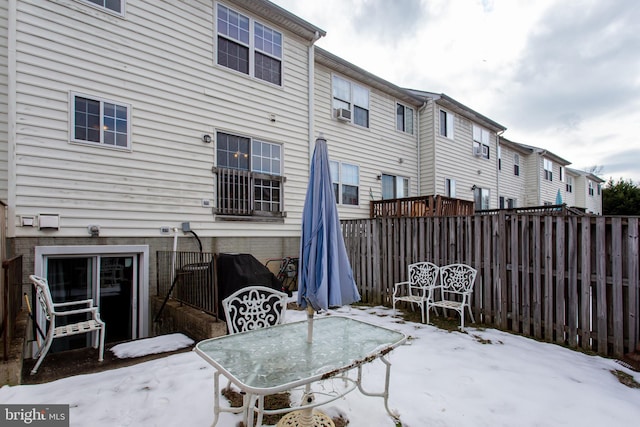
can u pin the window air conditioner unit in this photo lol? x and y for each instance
(343, 114)
(477, 151)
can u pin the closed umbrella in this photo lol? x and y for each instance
(325, 276)
(558, 198)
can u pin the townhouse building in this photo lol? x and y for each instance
(124, 124)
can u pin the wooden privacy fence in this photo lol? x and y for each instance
(564, 279)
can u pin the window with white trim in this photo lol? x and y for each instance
(450, 187)
(561, 174)
(591, 188)
(352, 97)
(345, 178)
(516, 164)
(446, 124)
(394, 187)
(481, 142)
(499, 157)
(548, 169)
(507, 203)
(100, 121)
(116, 6)
(482, 198)
(249, 176)
(569, 184)
(404, 118)
(248, 46)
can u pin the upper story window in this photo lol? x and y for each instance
(516, 164)
(394, 187)
(346, 180)
(569, 184)
(507, 203)
(404, 118)
(599, 188)
(116, 6)
(561, 174)
(481, 142)
(499, 157)
(253, 50)
(249, 176)
(100, 121)
(548, 169)
(450, 187)
(446, 124)
(352, 98)
(591, 188)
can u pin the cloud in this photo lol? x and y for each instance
(579, 62)
(389, 22)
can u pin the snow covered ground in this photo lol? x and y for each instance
(440, 378)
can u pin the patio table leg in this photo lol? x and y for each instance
(385, 393)
(216, 398)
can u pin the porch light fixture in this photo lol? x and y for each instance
(206, 138)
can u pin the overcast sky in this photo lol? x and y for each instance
(563, 75)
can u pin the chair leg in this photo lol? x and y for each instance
(101, 357)
(43, 352)
(471, 314)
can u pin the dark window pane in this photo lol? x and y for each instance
(400, 117)
(268, 69)
(361, 116)
(349, 195)
(233, 55)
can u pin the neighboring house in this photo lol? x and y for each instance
(124, 123)
(457, 151)
(371, 127)
(588, 191)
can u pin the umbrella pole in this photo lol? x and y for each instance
(309, 323)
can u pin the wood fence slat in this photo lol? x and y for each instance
(617, 311)
(632, 280)
(526, 277)
(536, 254)
(489, 308)
(572, 282)
(514, 277)
(601, 286)
(548, 279)
(559, 303)
(585, 285)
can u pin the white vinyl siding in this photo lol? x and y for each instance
(177, 93)
(4, 127)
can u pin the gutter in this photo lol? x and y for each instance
(419, 166)
(11, 115)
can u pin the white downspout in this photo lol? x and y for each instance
(310, 97)
(419, 171)
(11, 116)
(498, 134)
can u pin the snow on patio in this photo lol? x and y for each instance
(440, 378)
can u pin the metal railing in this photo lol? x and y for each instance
(187, 277)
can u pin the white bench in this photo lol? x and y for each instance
(453, 290)
(52, 311)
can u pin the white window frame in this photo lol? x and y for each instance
(481, 141)
(569, 184)
(482, 195)
(516, 164)
(276, 53)
(337, 168)
(400, 186)
(406, 124)
(101, 5)
(591, 192)
(103, 127)
(450, 187)
(561, 174)
(447, 129)
(350, 101)
(548, 169)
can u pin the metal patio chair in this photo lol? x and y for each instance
(455, 288)
(53, 311)
(254, 307)
(423, 276)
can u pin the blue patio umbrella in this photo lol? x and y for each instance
(558, 198)
(325, 276)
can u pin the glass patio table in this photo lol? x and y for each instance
(271, 360)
